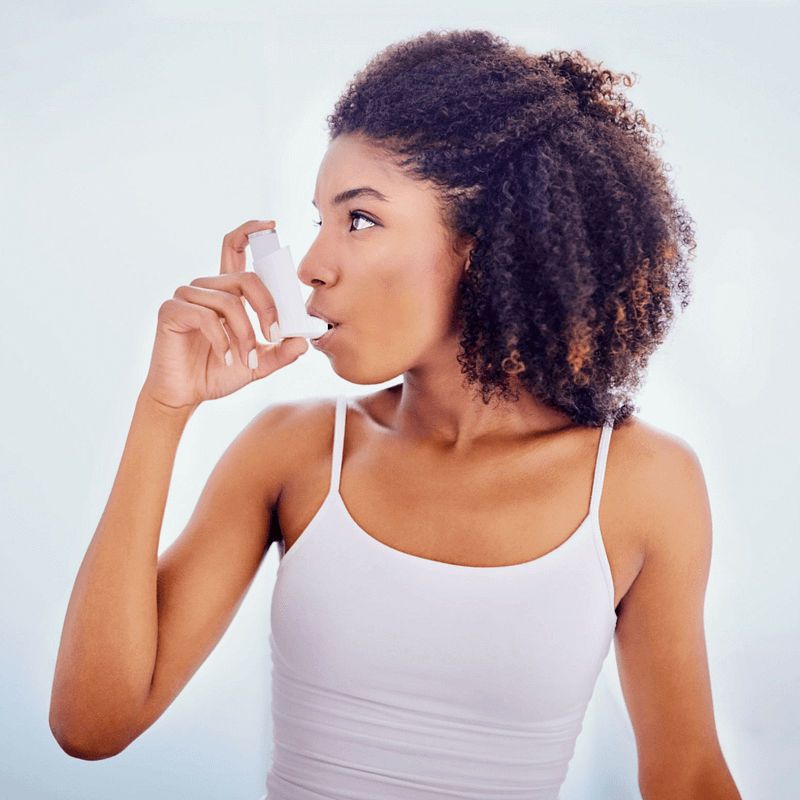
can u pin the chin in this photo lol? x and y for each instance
(364, 372)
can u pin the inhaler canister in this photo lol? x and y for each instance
(273, 264)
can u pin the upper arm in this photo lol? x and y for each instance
(660, 638)
(204, 575)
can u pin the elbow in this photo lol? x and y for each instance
(85, 752)
(709, 779)
(81, 741)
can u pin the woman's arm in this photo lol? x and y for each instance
(108, 645)
(135, 631)
(137, 628)
(660, 639)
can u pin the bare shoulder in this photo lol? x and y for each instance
(664, 461)
(657, 492)
(278, 448)
(661, 461)
(286, 436)
(294, 419)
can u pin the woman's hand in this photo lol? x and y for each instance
(205, 346)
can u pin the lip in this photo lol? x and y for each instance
(320, 342)
(312, 312)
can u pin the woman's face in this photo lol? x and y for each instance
(383, 267)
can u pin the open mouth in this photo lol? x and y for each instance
(311, 311)
(321, 340)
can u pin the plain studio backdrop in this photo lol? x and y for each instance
(135, 135)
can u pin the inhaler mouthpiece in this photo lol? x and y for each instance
(273, 264)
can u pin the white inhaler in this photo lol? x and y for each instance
(273, 264)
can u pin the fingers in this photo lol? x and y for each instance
(225, 303)
(243, 285)
(223, 307)
(271, 358)
(184, 316)
(234, 244)
(215, 306)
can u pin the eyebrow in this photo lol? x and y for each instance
(351, 194)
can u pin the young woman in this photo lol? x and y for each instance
(497, 229)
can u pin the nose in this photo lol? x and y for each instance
(316, 268)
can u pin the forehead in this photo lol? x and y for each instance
(354, 153)
(351, 163)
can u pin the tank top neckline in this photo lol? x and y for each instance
(590, 521)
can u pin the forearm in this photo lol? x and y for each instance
(110, 638)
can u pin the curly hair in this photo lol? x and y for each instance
(580, 246)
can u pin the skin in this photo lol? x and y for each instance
(385, 268)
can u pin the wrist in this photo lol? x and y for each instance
(162, 413)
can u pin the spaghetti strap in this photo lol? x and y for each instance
(338, 443)
(600, 470)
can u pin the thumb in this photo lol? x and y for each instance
(273, 357)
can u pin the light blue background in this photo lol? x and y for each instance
(134, 135)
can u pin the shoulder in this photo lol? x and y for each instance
(298, 420)
(287, 434)
(656, 495)
(287, 440)
(274, 446)
(660, 465)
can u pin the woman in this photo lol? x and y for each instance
(497, 229)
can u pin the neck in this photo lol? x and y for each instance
(435, 403)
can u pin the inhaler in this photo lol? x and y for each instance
(273, 264)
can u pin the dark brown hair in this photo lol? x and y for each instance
(580, 244)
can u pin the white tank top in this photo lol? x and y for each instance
(395, 677)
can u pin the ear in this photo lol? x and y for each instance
(465, 245)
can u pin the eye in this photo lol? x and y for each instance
(317, 222)
(359, 222)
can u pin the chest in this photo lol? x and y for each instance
(480, 509)
(490, 506)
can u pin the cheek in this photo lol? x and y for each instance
(413, 303)
(405, 313)
(396, 285)
(421, 282)
(408, 295)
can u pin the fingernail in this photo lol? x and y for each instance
(252, 359)
(228, 358)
